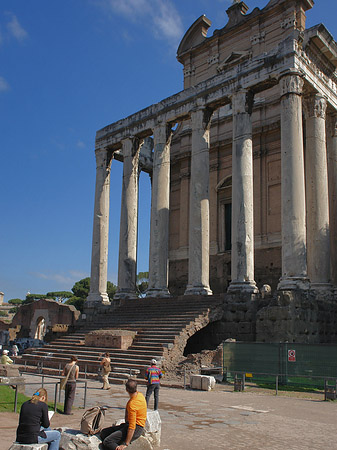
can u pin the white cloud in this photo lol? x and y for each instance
(80, 144)
(160, 15)
(4, 86)
(15, 29)
(64, 279)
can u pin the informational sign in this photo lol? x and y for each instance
(292, 355)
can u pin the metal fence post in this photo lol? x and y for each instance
(184, 377)
(59, 368)
(85, 394)
(325, 384)
(276, 385)
(16, 398)
(55, 397)
(85, 371)
(42, 380)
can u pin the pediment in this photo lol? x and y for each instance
(233, 58)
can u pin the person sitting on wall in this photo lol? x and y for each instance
(34, 425)
(5, 359)
(120, 436)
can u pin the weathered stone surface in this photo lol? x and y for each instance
(9, 370)
(153, 428)
(202, 382)
(16, 446)
(121, 339)
(75, 440)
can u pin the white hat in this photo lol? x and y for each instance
(153, 361)
(5, 352)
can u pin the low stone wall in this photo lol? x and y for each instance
(298, 316)
(16, 446)
(121, 339)
(9, 374)
(75, 440)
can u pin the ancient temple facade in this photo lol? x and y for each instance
(243, 163)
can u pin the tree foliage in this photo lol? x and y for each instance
(32, 297)
(81, 288)
(78, 302)
(60, 295)
(15, 301)
(142, 283)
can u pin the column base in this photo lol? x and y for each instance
(245, 286)
(125, 294)
(198, 290)
(97, 297)
(291, 283)
(157, 292)
(321, 286)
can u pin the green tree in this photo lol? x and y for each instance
(60, 295)
(15, 301)
(81, 288)
(111, 290)
(78, 302)
(32, 297)
(142, 283)
(3, 314)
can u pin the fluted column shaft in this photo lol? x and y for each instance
(198, 264)
(99, 256)
(317, 198)
(242, 195)
(294, 266)
(332, 176)
(160, 203)
(127, 262)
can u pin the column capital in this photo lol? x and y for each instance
(242, 101)
(291, 83)
(315, 106)
(131, 145)
(201, 116)
(162, 132)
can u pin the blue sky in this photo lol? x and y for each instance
(68, 68)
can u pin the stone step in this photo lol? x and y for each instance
(91, 351)
(114, 378)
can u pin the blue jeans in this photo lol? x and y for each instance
(53, 438)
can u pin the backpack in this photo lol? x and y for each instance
(92, 420)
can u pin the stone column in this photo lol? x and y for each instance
(99, 256)
(317, 198)
(127, 263)
(198, 263)
(242, 195)
(294, 266)
(160, 203)
(332, 175)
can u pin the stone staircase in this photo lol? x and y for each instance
(163, 327)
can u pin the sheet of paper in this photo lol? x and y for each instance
(50, 414)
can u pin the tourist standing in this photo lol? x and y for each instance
(106, 369)
(153, 375)
(15, 350)
(71, 370)
(5, 359)
(34, 425)
(120, 436)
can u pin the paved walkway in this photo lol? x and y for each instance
(220, 419)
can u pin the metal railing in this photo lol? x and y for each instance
(282, 376)
(43, 384)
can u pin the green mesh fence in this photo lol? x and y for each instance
(304, 364)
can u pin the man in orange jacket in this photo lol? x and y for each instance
(120, 436)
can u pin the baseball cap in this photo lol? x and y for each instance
(153, 361)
